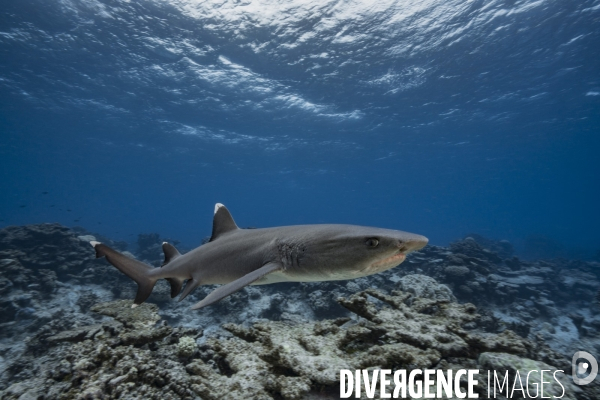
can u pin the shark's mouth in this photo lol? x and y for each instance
(387, 263)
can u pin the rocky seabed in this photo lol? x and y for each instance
(67, 330)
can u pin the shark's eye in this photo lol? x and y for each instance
(372, 242)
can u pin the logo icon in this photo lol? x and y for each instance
(580, 368)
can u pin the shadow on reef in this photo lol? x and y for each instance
(65, 334)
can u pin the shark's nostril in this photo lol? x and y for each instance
(413, 244)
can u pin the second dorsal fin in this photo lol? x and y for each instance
(222, 222)
(171, 253)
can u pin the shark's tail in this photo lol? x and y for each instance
(136, 270)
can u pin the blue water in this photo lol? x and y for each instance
(437, 117)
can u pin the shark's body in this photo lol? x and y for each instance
(239, 257)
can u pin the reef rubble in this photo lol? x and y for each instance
(136, 356)
(67, 330)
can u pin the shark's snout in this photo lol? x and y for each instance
(405, 245)
(414, 243)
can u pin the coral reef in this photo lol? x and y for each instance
(425, 286)
(551, 299)
(46, 246)
(133, 356)
(186, 347)
(67, 329)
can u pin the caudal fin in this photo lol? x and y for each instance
(136, 270)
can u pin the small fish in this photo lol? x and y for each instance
(44, 192)
(22, 206)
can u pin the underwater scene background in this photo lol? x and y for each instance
(474, 123)
(437, 117)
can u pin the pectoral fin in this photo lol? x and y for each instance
(232, 287)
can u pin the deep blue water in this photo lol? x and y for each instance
(437, 117)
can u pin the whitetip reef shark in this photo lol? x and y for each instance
(237, 257)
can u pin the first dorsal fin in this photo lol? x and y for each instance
(171, 253)
(222, 222)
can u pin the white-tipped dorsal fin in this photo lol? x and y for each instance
(222, 222)
(94, 243)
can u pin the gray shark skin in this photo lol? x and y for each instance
(237, 257)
